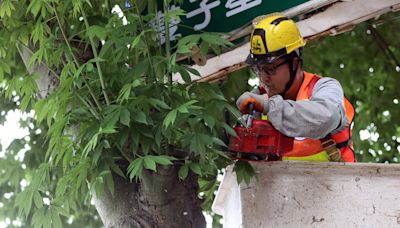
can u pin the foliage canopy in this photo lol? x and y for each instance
(114, 109)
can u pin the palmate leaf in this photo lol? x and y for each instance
(244, 172)
(39, 217)
(184, 44)
(24, 201)
(170, 118)
(97, 31)
(5, 8)
(90, 145)
(215, 39)
(55, 217)
(124, 93)
(35, 6)
(149, 162)
(135, 169)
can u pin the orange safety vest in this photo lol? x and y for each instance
(312, 149)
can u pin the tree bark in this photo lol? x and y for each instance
(159, 200)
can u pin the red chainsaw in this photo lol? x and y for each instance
(258, 140)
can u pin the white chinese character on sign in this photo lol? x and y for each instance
(204, 8)
(158, 24)
(237, 6)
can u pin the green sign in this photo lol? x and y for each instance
(221, 16)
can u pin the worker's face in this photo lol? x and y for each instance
(274, 77)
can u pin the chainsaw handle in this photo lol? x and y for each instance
(250, 108)
(251, 116)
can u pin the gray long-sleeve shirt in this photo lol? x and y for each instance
(322, 114)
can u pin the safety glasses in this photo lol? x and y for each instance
(268, 69)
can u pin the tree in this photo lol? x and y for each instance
(116, 130)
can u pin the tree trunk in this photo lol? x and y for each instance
(158, 200)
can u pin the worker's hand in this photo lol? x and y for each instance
(260, 102)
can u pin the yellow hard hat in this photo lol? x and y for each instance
(273, 37)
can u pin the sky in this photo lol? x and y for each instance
(11, 130)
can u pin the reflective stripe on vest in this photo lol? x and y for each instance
(309, 149)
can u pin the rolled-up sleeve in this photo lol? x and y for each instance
(324, 113)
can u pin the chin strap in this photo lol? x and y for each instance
(292, 75)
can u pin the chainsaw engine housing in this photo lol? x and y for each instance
(260, 141)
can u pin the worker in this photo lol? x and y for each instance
(302, 105)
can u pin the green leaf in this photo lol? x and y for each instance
(37, 198)
(117, 169)
(170, 118)
(209, 121)
(55, 218)
(215, 39)
(234, 111)
(184, 74)
(89, 67)
(158, 104)
(125, 118)
(135, 169)
(184, 108)
(149, 163)
(78, 73)
(185, 43)
(138, 38)
(139, 117)
(112, 115)
(244, 171)
(24, 201)
(222, 154)
(38, 34)
(96, 155)
(174, 14)
(5, 8)
(35, 7)
(229, 130)
(39, 217)
(183, 172)
(5, 67)
(97, 31)
(204, 47)
(195, 167)
(90, 145)
(124, 93)
(163, 159)
(218, 142)
(193, 71)
(61, 186)
(25, 102)
(110, 183)
(109, 130)
(184, 49)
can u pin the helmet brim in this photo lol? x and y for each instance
(253, 60)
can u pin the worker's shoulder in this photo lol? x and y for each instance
(327, 81)
(327, 87)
